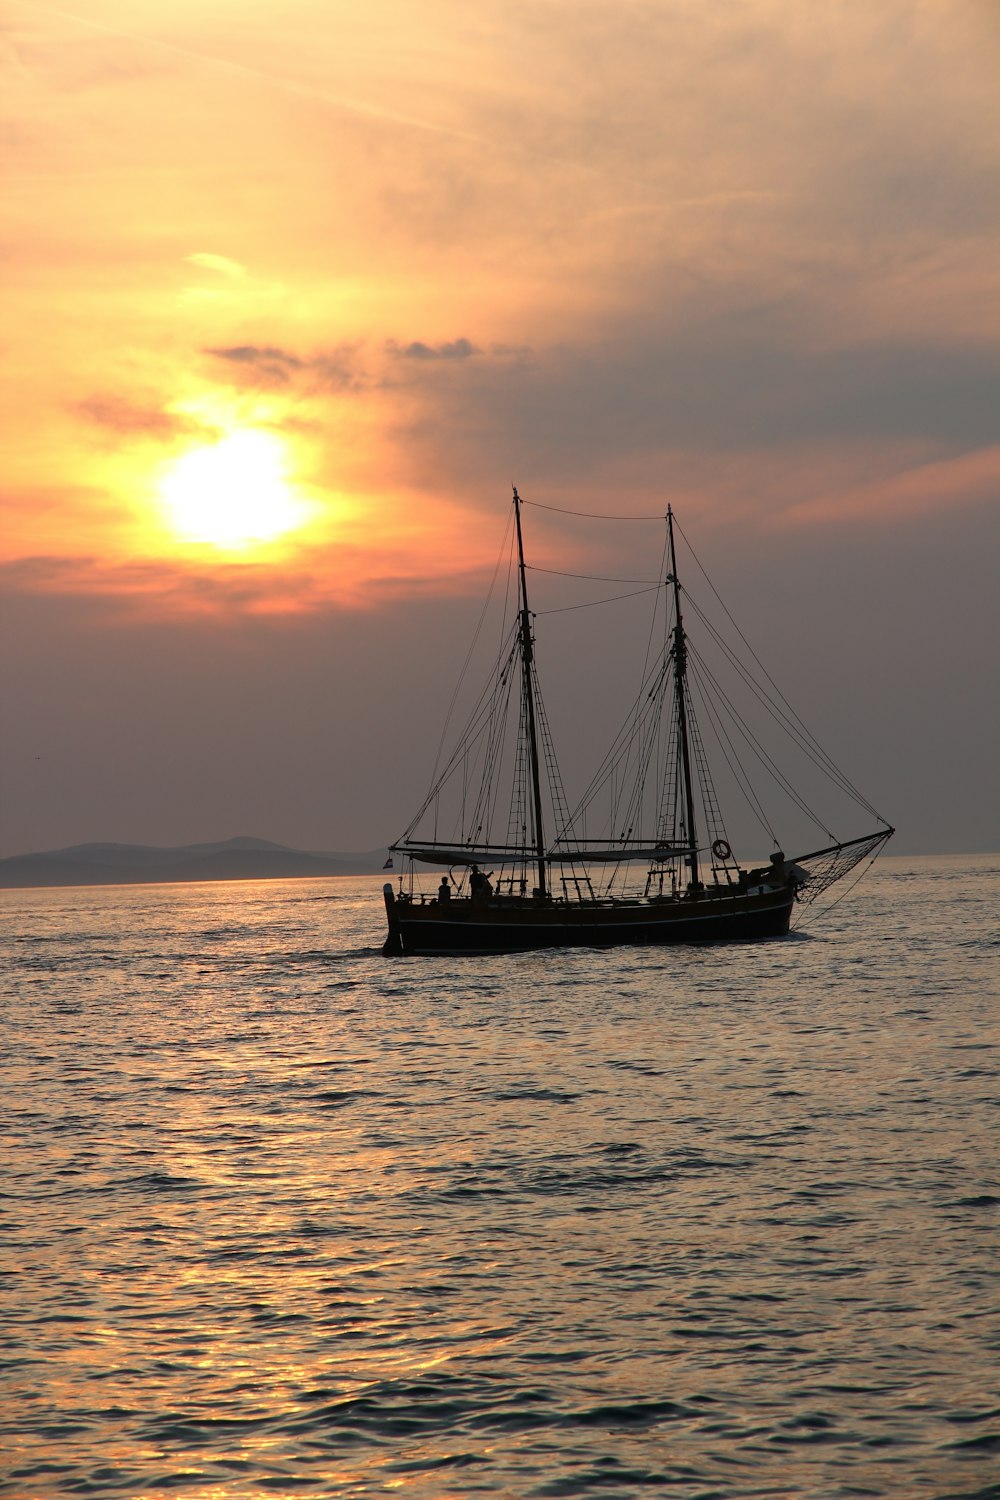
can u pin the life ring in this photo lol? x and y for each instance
(721, 849)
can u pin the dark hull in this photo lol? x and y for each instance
(512, 927)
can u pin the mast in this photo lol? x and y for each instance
(527, 656)
(680, 685)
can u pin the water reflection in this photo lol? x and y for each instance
(286, 1217)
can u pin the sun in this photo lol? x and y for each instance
(233, 494)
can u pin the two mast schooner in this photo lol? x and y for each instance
(545, 883)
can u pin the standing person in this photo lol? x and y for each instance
(444, 889)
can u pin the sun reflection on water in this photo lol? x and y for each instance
(515, 1220)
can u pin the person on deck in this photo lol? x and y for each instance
(444, 889)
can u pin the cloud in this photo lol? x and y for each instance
(675, 241)
(76, 62)
(454, 349)
(159, 588)
(365, 577)
(268, 365)
(722, 379)
(119, 414)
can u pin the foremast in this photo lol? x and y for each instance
(528, 697)
(680, 689)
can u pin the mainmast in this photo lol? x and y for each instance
(680, 686)
(527, 656)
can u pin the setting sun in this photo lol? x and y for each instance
(232, 494)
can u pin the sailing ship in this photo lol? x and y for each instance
(644, 856)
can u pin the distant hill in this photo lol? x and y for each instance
(143, 864)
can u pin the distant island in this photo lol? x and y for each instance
(142, 864)
(233, 859)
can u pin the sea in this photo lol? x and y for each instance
(284, 1217)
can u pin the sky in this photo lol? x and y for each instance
(292, 294)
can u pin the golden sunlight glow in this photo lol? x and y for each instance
(232, 494)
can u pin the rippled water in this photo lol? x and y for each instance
(285, 1217)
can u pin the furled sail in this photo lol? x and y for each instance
(445, 854)
(484, 854)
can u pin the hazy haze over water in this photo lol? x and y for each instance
(285, 1217)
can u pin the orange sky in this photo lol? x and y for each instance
(293, 293)
(428, 250)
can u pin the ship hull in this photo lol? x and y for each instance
(510, 927)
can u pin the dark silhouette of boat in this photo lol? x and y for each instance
(522, 871)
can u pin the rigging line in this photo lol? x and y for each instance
(594, 577)
(490, 789)
(499, 706)
(758, 749)
(498, 713)
(491, 749)
(848, 785)
(668, 620)
(668, 611)
(666, 812)
(482, 712)
(616, 751)
(589, 515)
(775, 711)
(643, 756)
(511, 585)
(640, 715)
(593, 603)
(480, 717)
(650, 685)
(711, 810)
(477, 740)
(472, 647)
(726, 746)
(732, 760)
(667, 615)
(616, 758)
(756, 745)
(799, 735)
(795, 730)
(867, 805)
(789, 721)
(820, 913)
(557, 791)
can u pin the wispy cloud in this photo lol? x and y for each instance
(942, 486)
(220, 263)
